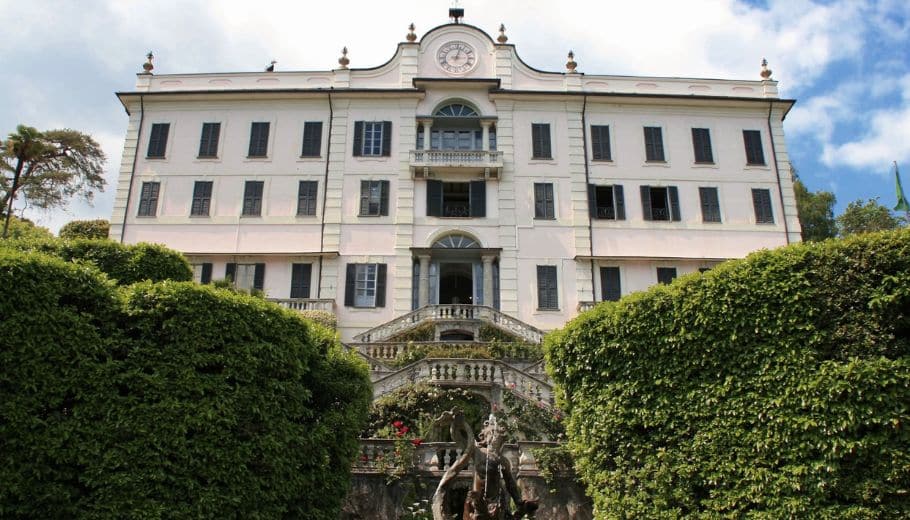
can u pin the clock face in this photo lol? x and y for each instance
(456, 57)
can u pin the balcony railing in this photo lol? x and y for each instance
(376, 455)
(586, 306)
(305, 304)
(424, 160)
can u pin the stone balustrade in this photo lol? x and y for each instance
(436, 457)
(305, 304)
(585, 306)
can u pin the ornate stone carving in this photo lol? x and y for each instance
(343, 60)
(765, 71)
(502, 38)
(147, 66)
(412, 36)
(571, 64)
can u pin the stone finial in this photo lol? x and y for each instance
(343, 60)
(502, 38)
(571, 64)
(765, 71)
(412, 36)
(147, 66)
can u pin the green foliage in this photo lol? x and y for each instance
(324, 318)
(25, 229)
(422, 332)
(816, 213)
(416, 352)
(528, 421)
(167, 400)
(94, 229)
(124, 263)
(418, 405)
(554, 463)
(866, 217)
(771, 387)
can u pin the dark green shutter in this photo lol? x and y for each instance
(206, 272)
(610, 288)
(478, 198)
(547, 291)
(619, 202)
(259, 277)
(312, 139)
(592, 200)
(600, 142)
(158, 140)
(386, 139)
(380, 284)
(358, 138)
(674, 203)
(434, 198)
(383, 197)
(646, 202)
(229, 269)
(349, 281)
(301, 275)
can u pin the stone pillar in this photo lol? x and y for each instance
(427, 125)
(423, 289)
(486, 135)
(488, 279)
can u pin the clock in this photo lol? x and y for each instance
(456, 57)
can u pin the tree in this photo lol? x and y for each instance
(97, 229)
(23, 228)
(865, 218)
(47, 168)
(816, 212)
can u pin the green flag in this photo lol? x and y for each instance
(902, 204)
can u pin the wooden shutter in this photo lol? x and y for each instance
(259, 277)
(619, 202)
(654, 144)
(710, 206)
(646, 202)
(478, 198)
(380, 285)
(358, 139)
(434, 198)
(259, 139)
(610, 289)
(701, 144)
(754, 152)
(301, 275)
(666, 274)
(547, 292)
(761, 200)
(158, 140)
(229, 271)
(386, 139)
(674, 203)
(383, 197)
(206, 273)
(208, 142)
(540, 137)
(600, 142)
(350, 280)
(592, 200)
(148, 199)
(312, 139)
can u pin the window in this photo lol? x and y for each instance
(710, 206)
(208, 142)
(246, 277)
(606, 202)
(148, 199)
(374, 198)
(259, 140)
(540, 140)
(547, 291)
(372, 138)
(300, 280)
(600, 143)
(701, 143)
(761, 200)
(456, 199)
(654, 144)
(610, 288)
(660, 203)
(312, 139)
(365, 285)
(158, 140)
(666, 274)
(543, 201)
(202, 199)
(306, 198)
(202, 273)
(754, 153)
(252, 199)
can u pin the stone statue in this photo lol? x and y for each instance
(494, 486)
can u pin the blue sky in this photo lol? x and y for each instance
(847, 62)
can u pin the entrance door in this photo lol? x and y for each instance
(456, 283)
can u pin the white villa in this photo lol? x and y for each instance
(454, 180)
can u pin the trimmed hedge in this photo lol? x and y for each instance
(167, 400)
(775, 386)
(126, 264)
(93, 229)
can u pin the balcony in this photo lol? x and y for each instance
(305, 304)
(424, 162)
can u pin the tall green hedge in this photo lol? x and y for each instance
(167, 400)
(777, 386)
(124, 263)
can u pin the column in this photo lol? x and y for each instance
(486, 135)
(423, 289)
(488, 279)
(427, 125)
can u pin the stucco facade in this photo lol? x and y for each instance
(501, 164)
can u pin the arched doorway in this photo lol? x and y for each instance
(455, 269)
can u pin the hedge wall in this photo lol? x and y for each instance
(124, 263)
(775, 386)
(97, 229)
(167, 400)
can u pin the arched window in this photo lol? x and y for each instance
(456, 110)
(456, 242)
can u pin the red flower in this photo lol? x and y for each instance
(416, 442)
(404, 429)
(399, 433)
(398, 424)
